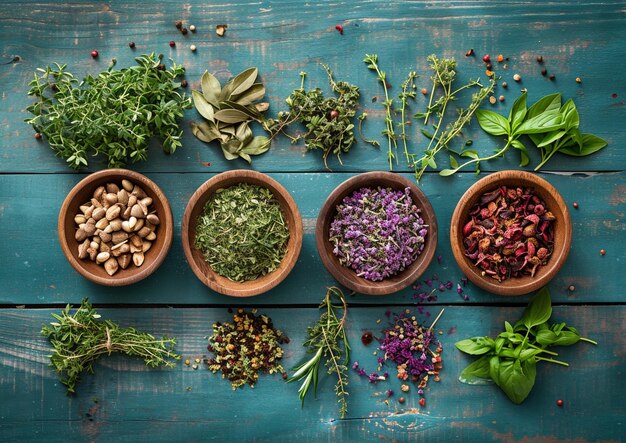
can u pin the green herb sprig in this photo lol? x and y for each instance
(389, 131)
(444, 74)
(80, 338)
(229, 111)
(551, 127)
(408, 91)
(325, 342)
(511, 359)
(242, 232)
(113, 114)
(328, 120)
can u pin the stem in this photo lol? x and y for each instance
(588, 340)
(545, 351)
(544, 160)
(476, 160)
(550, 360)
(436, 319)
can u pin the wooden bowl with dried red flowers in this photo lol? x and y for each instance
(115, 227)
(511, 232)
(376, 233)
(242, 233)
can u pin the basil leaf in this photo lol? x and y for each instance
(548, 103)
(538, 310)
(546, 122)
(551, 137)
(523, 152)
(516, 378)
(570, 114)
(591, 144)
(476, 373)
(203, 106)
(567, 338)
(476, 345)
(211, 88)
(518, 112)
(545, 337)
(492, 122)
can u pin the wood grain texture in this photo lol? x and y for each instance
(124, 401)
(576, 39)
(40, 274)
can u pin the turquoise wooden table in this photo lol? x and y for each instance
(125, 401)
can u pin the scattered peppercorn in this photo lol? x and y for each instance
(179, 24)
(539, 59)
(492, 100)
(505, 85)
(578, 80)
(614, 95)
(184, 31)
(187, 362)
(544, 72)
(501, 98)
(193, 48)
(367, 338)
(184, 83)
(401, 400)
(552, 77)
(469, 53)
(334, 114)
(94, 53)
(571, 288)
(172, 43)
(422, 402)
(602, 252)
(161, 67)
(192, 28)
(424, 91)
(489, 66)
(575, 205)
(339, 28)
(486, 58)
(131, 45)
(517, 77)
(559, 403)
(38, 135)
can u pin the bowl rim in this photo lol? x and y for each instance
(150, 187)
(518, 286)
(401, 280)
(221, 284)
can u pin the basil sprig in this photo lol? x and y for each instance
(510, 360)
(551, 126)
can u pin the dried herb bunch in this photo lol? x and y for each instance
(325, 342)
(246, 347)
(510, 233)
(328, 120)
(113, 114)
(79, 339)
(242, 232)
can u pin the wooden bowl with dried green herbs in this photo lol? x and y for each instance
(376, 233)
(241, 233)
(115, 227)
(511, 232)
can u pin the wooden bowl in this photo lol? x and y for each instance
(82, 193)
(562, 232)
(195, 258)
(346, 276)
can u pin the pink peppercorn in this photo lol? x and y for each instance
(339, 28)
(94, 53)
(486, 58)
(559, 403)
(172, 43)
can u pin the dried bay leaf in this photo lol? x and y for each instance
(211, 88)
(231, 116)
(202, 106)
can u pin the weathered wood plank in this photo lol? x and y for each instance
(35, 270)
(284, 39)
(125, 401)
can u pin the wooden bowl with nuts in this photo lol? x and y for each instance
(115, 227)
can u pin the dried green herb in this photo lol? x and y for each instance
(113, 114)
(408, 91)
(328, 120)
(242, 232)
(229, 111)
(325, 342)
(246, 347)
(79, 339)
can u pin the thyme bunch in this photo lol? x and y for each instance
(325, 342)
(389, 131)
(113, 114)
(80, 338)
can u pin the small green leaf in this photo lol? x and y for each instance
(453, 162)
(551, 137)
(591, 144)
(470, 153)
(492, 122)
(523, 152)
(539, 309)
(477, 372)
(203, 106)
(429, 135)
(447, 172)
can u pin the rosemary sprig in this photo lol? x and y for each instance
(389, 131)
(79, 339)
(324, 342)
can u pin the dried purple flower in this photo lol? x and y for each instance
(377, 232)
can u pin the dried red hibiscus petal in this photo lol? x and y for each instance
(510, 233)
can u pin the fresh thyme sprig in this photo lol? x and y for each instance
(324, 342)
(408, 91)
(389, 131)
(79, 339)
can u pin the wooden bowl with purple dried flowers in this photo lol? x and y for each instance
(511, 232)
(376, 233)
